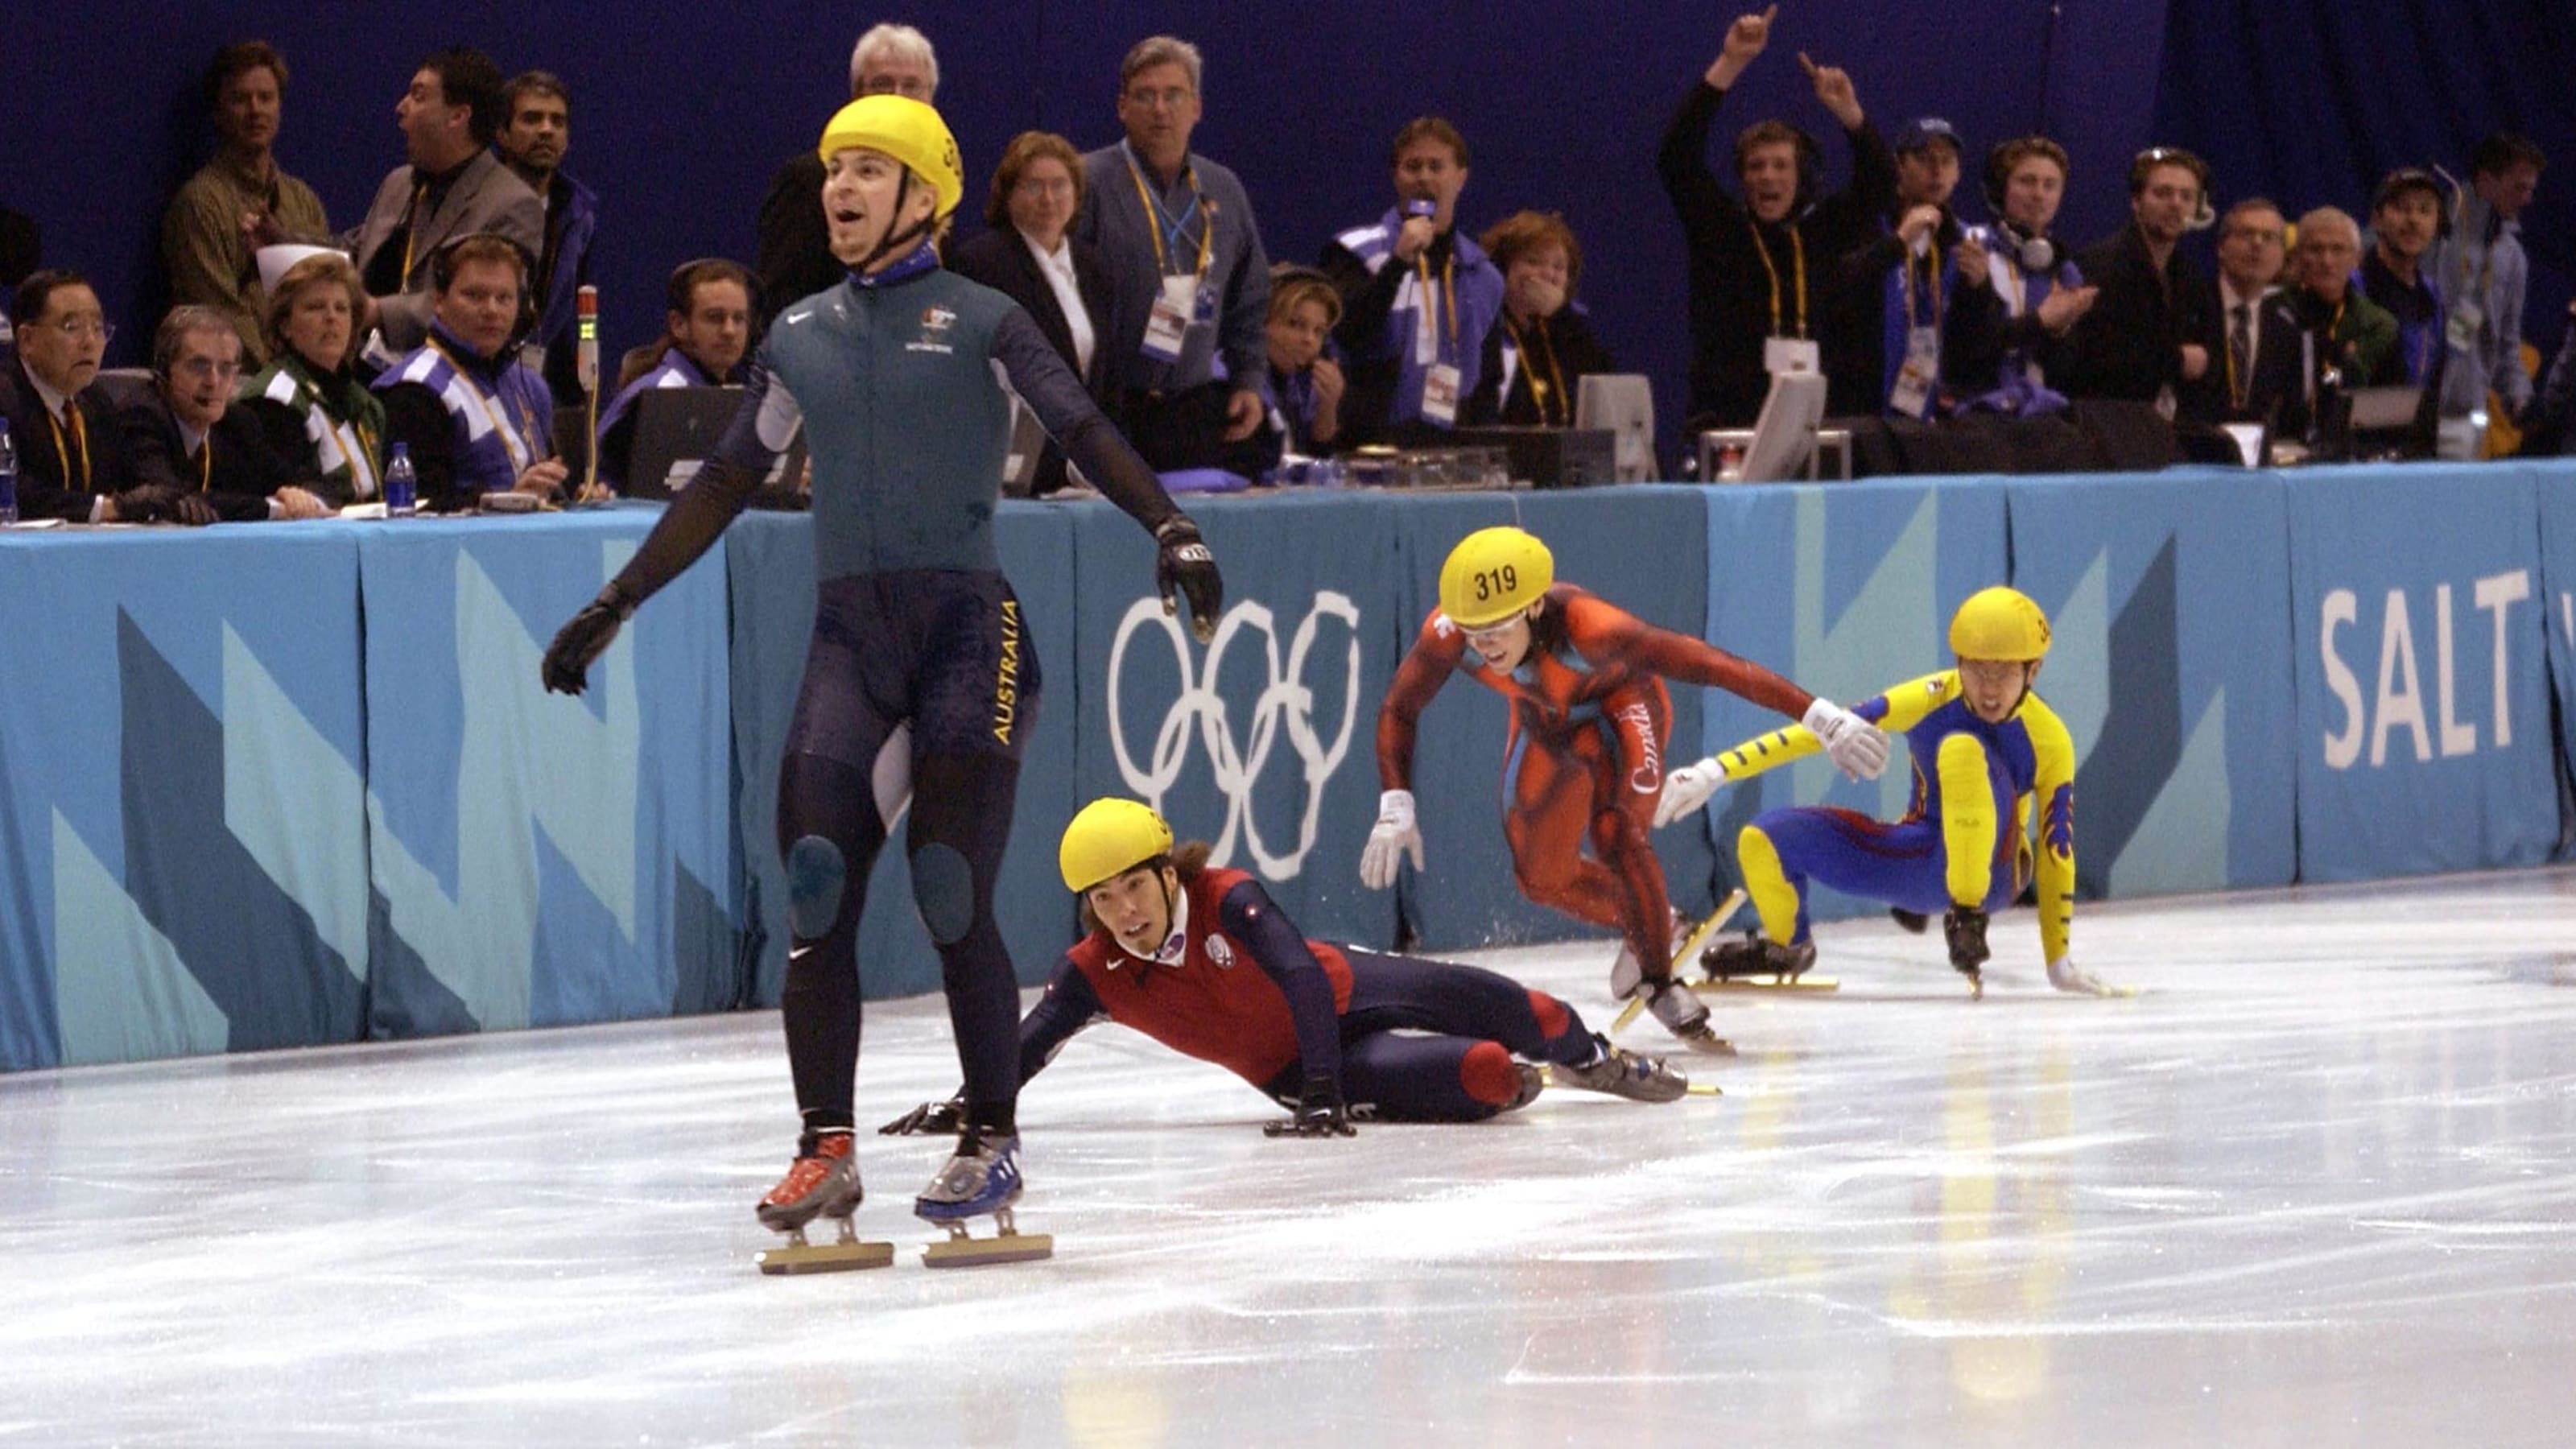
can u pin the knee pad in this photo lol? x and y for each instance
(1551, 1013)
(1488, 1074)
(816, 876)
(943, 886)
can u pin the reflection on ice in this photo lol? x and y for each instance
(2314, 1185)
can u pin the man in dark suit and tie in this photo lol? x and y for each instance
(71, 459)
(185, 437)
(1029, 257)
(2257, 367)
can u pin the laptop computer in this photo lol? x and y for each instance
(677, 427)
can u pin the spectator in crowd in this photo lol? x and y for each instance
(1762, 267)
(2553, 425)
(535, 133)
(476, 420)
(1418, 300)
(2482, 275)
(2258, 365)
(2338, 326)
(452, 186)
(1307, 383)
(1535, 362)
(2019, 294)
(186, 436)
(2146, 337)
(309, 401)
(22, 247)
(1189, 285)
(706, 336)
(2405, 220)
(1902, 281)
(1029, 256)
(71, 458)
(205, 236)
(793, 243)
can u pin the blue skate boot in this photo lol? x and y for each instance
(983, 1176)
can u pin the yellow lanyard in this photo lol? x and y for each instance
(1154, 221)
(362, 467)
(1798, 250)
(526, 434)
(63, 450)
(1448, 293)
(1910, 323)
(1549, 391)
(206, 465)
(411, 228)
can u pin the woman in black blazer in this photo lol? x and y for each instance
(1029, 257)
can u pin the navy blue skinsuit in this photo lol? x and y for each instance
(897, 380)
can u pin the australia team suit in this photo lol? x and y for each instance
(1584, 759)
(1406, 1040)
(1969, 837)
(922, 670)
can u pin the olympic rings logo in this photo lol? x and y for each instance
(1285, 701)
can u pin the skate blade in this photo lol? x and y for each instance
(1709, 1043)
(1703, 1089)
(976, 1252)
(1627, 1014)
(1808, 982)
(799, 1258)
(1697, 940)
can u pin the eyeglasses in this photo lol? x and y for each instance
(1168, 98)
(1044, 186)
(207, 367)
(81, 327)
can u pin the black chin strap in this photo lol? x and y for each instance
(893, 239)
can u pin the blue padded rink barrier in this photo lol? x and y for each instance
(2312, 1184)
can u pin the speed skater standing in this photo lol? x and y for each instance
(1333, 1033)
(1993, 810)
(1589, 717)
(897, 376)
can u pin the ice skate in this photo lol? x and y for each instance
(823, 1181)
(1680, 1010)
(1964, 928)
(1623, 1073)
(983, 1176)
(1688, 936)
(1759, 962)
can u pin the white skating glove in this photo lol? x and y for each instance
(1687, 789)
(1394, 835)
(1857, 747)
(2066, 976)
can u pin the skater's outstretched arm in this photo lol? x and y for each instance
(1435, 655)
(2053, 843)
(1255, 922)
(1037, 374)
(1601, 630)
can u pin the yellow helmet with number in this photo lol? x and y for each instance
(1999, 623)
(907, 130)
(1493, 574)
(1110, 837)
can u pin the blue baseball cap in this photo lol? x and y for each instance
(1922, 131)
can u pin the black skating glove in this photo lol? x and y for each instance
(1319, 1113)
(584, 638)
(1185, 567)
(194, 511)
(930, 1119)
(1965, 929)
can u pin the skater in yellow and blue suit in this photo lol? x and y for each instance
(1993, 809)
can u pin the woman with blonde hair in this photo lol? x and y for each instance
(313, 407)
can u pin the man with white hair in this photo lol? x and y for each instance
(794, 255)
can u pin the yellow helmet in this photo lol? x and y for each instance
(1999, 623)
(1110, 837)
(907, 130)
(1493, 574)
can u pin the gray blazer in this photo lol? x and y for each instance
(489, 196)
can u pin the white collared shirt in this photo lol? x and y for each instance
(1058, 267)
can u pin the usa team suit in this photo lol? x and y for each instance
(922, 672)
(1584, 760)
(1962, 841)
(1406, 1040)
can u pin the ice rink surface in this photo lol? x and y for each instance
(2314, 1187)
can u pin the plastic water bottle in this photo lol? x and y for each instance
(402, 486)
(8, 476)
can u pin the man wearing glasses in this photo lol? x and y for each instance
(71, 460)
(1189, 282)
(213, 461)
